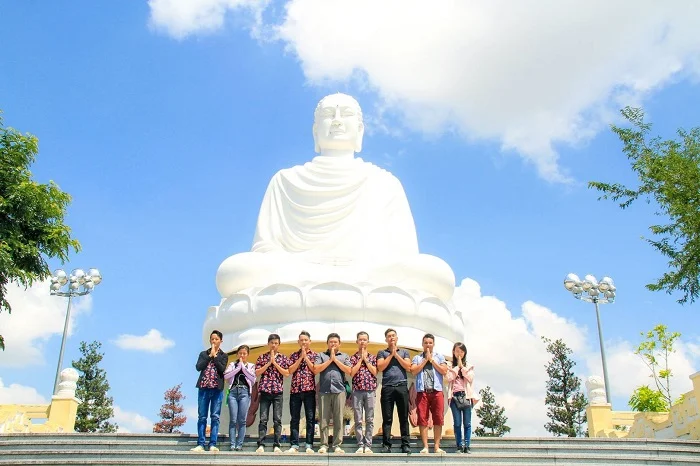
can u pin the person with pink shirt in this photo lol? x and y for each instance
(460, 396)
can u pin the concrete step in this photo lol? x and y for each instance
(164, 449)
(97, 457)
(628, 448)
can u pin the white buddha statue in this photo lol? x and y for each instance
(334, 236)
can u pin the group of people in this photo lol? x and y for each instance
(431, 370)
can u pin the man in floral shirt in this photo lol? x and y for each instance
(211, 364)
(272, 368)
(303, 390)
(364, 386)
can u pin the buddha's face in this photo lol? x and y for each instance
(338, 124)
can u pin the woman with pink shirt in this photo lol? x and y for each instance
(241, 377)
(460, 396)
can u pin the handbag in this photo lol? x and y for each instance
(461, 401)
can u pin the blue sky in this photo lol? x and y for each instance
(166, 119)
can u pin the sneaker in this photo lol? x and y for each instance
(233, 448)
(360, 450)
(406, 449)
(368, 450)
(213, 449)
(386, 449)
(198, 448)
(467, 450)
(323, 450)
(339, 450)
(293, 450)
(424, 451)
(310, 450)
(261, 449)
(439, 451)
(277, 450)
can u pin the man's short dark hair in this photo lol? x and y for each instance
(386, 332)
(362, 332)
(332, 335)
(273, 336)
(304, 332)
(220, 335)
(429, 335)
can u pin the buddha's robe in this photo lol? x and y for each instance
(335, 220)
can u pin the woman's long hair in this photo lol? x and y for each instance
(463, 347)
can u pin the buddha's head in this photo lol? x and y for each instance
(338, 124)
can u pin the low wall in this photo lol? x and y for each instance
(58, 416)
(682, 422)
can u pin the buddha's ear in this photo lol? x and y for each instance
(317, 149)
(358, 139)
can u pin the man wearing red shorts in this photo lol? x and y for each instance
(429, 368)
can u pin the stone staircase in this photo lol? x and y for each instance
(173, 449)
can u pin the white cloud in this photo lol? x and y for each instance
(527, 75)
(130, 422)
(20, 394)
(152, 342)
(180, 18)
(36, 317)
(510, 357)
(627, 371)
(514, 366)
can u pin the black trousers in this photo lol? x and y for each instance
(308, 399)
(267, 399)
(394, 395)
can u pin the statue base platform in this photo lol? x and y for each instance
(250, 316)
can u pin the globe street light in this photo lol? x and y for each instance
(78, 283)
(593, 291)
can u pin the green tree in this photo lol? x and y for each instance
(654, 350)
(95, 408)
(492, 418)
(171, 417)
(669, 175)
(31, 217)
(566, 405)
(646, 399)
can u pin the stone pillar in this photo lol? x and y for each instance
(64, 404)
(599, 418)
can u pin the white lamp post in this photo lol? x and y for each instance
(592, 291)
(78, 283)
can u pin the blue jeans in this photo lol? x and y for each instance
(462, 418)
(208, 400)
(238, 404)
